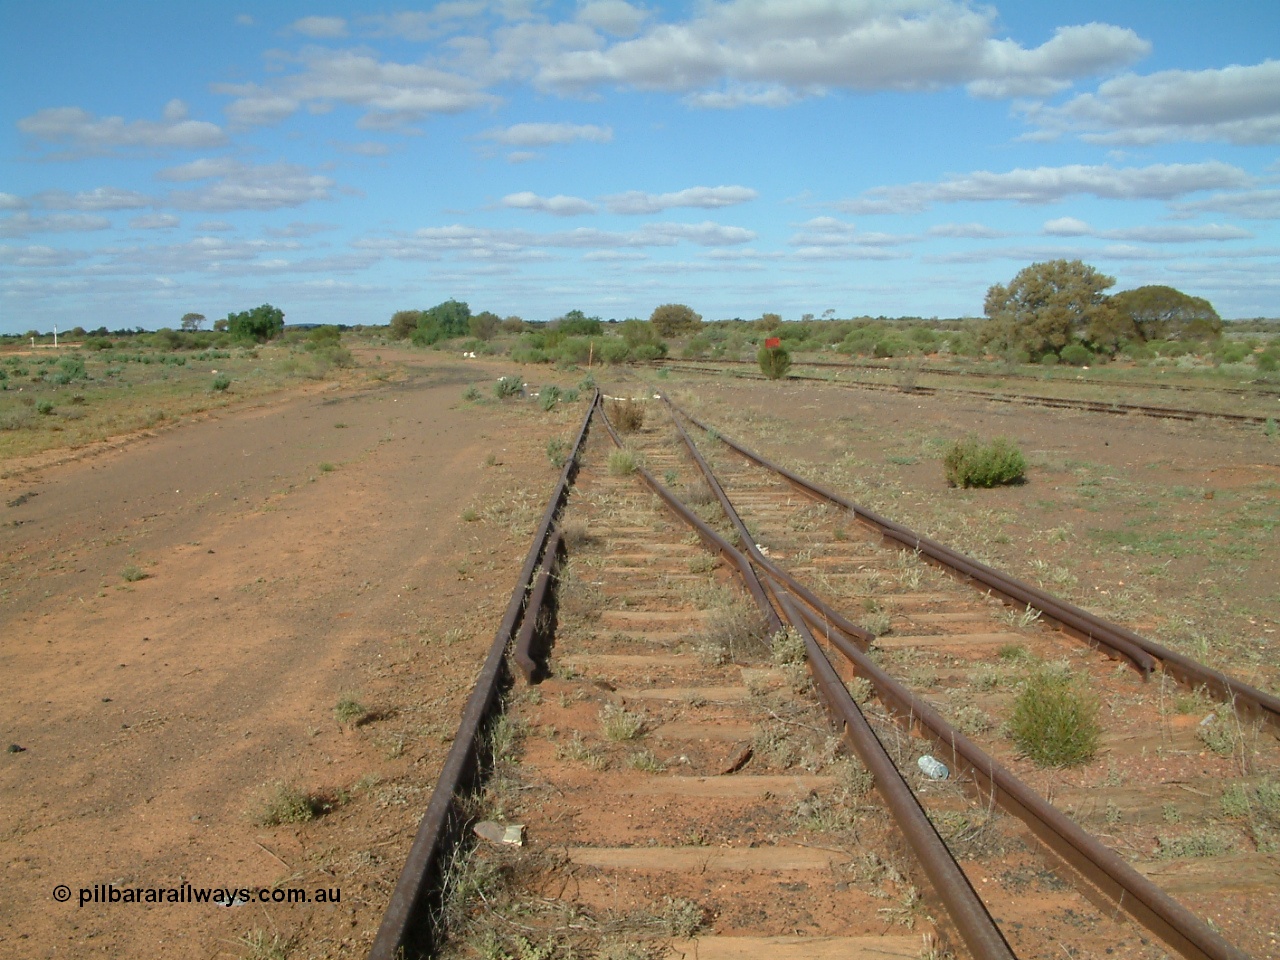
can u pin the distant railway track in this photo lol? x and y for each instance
(679, 783)
(1253, 389)
(1061, 403)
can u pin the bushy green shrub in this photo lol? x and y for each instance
(221, 382)
(774, 362)
(1230, 352)
(549, 397)
(1267, 362)
(622, 463)
(1076, 354)
(44, 407)
(972, 463)
(508, 387)
(1055, 720)
(1050, 359)
(697, 347)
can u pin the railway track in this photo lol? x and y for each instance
(1255, 388)
(994, 396)
(677, 770)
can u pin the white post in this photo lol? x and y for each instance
(55, 336)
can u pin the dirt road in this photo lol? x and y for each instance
(294, 554)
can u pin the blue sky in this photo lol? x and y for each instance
(347, 160)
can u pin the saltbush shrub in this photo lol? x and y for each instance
(972, 463)
(627, 415)
(508, 387)
(1055, 720)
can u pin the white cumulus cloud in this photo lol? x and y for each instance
(707, 198)
(236, 185)
(83, 134)
(391, 94)
(548, 134)
(321, 28)
(1235, 104)
(807, 47)
(560, 205)
(100, 198)
(1163, 181)
(155, 221)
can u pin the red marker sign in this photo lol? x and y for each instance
(771, 342)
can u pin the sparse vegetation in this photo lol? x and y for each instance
(736, 633)
(288, 804)
(557, 451)
(627, 416)
(972, 463)
(1054, 720)
(622, 463)
(508, 387)
(349, 711)
(619, 724)
(133, 573)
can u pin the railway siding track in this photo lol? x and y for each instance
(678, 786)
(1026, 399)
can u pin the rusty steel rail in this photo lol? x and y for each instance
(973, 922)
(1144, 653)
(1099, 866)
(1029, 399)
(409, 926)
(522, 652)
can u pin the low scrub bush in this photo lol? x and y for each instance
(627, 415)
(1055, 720)
(622, 463)
(972, 463)
(288, 804)
(508, 387)
(221, 382)
(549, 397)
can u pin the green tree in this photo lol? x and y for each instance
(638, 332)
(484, 325)
(575, 323)
(769, 322)
(191, 321)
(512, 324)
(260, 324)
(220, 326)
(774, 362)
(675, 319)
(442, 322)
(1163, 313)
(404, 322)
(1047, 305)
